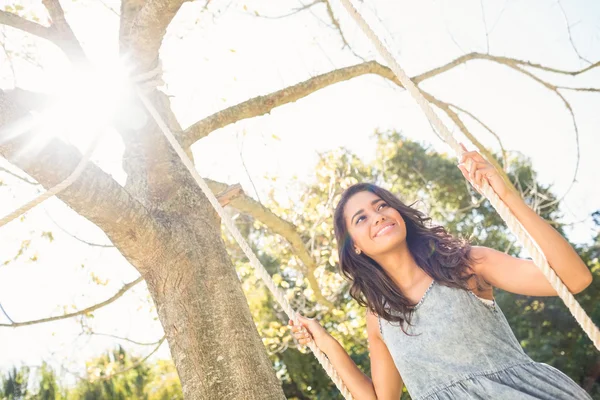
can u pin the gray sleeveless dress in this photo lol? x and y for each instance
(465, 349)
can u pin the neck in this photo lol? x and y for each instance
(401, 266)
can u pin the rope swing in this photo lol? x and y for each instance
(148, 81)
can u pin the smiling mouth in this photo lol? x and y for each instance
(385, 230)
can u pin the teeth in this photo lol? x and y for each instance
(384, 229)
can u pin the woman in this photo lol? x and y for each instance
(432, 321)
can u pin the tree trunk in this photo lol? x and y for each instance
(167, 229)
(213, 340)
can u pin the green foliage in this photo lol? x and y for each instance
(114, 375)
(544, 326)
(14, 384)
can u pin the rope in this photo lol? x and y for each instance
(511, 221)
(259, 269)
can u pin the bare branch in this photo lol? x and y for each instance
(125, 339)
(6, 314)
(485, 28)
(278, 225)
(246, 170)
(579, 89)
(569, 108)
(75, 237)
(498, 59)
(87, 310)
(460, 124)
(19, 177)
(64, 33)
(263, 104)
(502, 149)
(293, 12)
(338, 27)
(10, 19)
(562, 10)
(59, 33)
(9, 59)
(133, 366)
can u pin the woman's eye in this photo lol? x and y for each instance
(359, 218)
(382, 205)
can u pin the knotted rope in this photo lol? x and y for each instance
(511, 221)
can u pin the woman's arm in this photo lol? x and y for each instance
(559, 253)
(386, 380)
(518, 275)
(355, 380)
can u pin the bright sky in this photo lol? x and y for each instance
(216, 59)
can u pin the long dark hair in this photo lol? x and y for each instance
(442, 256)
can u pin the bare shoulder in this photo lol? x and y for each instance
(373, 325)
(481, 256)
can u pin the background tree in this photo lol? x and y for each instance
(418, 174)
(114, 375)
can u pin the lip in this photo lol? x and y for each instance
(383, 227)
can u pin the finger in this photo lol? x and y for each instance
(476, 165)
(478, 178)
(475, 155)
(463, 170)
(468, 154)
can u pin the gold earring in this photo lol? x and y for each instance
(357, 251)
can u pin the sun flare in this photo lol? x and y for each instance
(84, 102)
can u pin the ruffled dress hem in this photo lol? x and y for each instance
(526, 381)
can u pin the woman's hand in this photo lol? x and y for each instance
(482, 170)
(309, 329)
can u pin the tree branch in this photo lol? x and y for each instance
(263, 104)
(63, 32)
(125, 339)
(15, 21)
(338, 27)
(88, 310)
(569, 32)
(60, 34)
(106, 246)
(278, 225)
(502, 149)
(19, 177)
(456, 119)
(293, 12)
(133, 366)
(143, 26)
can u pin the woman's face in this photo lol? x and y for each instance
(374, 226)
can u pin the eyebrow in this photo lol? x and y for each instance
(361, 210)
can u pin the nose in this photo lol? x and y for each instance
(380, 218)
